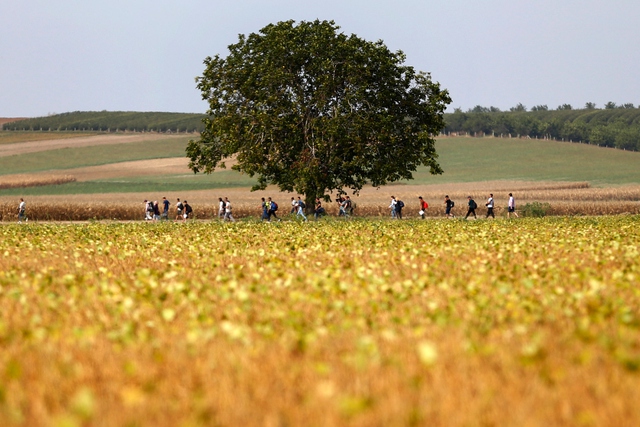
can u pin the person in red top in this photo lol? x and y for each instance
(423, 207)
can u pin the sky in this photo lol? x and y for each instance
(142, 55)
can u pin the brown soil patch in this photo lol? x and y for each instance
(54, 144)
(4, 120)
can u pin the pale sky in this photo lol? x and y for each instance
(59, 56)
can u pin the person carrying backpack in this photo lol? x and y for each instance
(399, 206)
(472, 208)
(423, 207)
(301, 205)
(179, 210)
(449, 206)
(273, 207)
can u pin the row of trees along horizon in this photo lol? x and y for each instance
(614, 126)
(112, 121)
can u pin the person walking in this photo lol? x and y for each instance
(156, 211)
(319, 210)
(342, 206)
(221, 209)
(449, 204)
(294, 206)
(399, 206)
(165, 209)
(273, 207)
(301, 206)
(227, 210)
(423, 207)
(148, 210)
(511, 208)
(22, 209)
(392, 206)
(179, 210)
(265, 210)
(472, 208)
(489, 206)
(350, 206)
(188, 211)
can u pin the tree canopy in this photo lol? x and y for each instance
(312, 110)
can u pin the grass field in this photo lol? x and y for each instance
(488, 159)
(364, 323)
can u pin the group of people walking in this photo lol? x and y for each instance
(397, 205)
(157, 211)
(184, 211)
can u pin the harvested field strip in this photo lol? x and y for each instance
(8, 137)
(80, 141)
(23, 181)
(67, 158)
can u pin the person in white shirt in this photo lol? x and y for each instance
(221, 208)
(227, 210)
(22, 208)
(511, 207)
(392, 206)
(489, 206)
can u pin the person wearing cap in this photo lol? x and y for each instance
(472, 208)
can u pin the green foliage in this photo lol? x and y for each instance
(314, 110)
(112, 121)
(617, 127)
(535, 209)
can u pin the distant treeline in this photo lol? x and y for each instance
(614, 126)
(112, 121)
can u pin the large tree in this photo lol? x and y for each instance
(312, 110)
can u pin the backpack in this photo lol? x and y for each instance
(274, 206)
(180, 206)
(474, 205)
(301, 204)
(400, 204)
(189, 210)
(452, 203)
